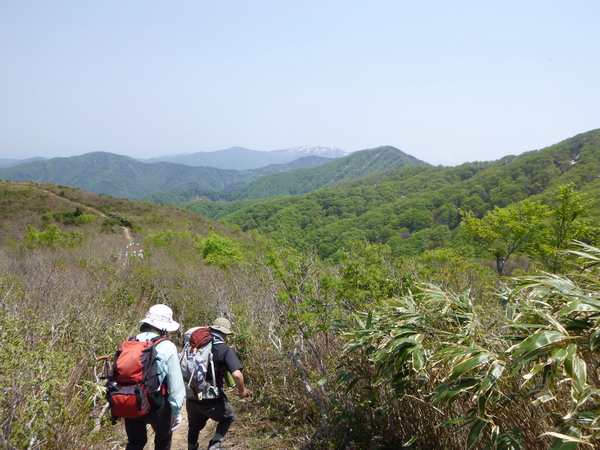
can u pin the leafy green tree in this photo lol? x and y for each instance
(416, 243)
(473, 203)
(503, 231)
(220, 251)
(367, 274)
(565, 225)
(506, 193)
(448, 214)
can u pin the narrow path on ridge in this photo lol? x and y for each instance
(126, 230)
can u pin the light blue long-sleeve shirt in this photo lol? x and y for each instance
(167, 366)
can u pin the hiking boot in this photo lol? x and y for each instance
(196, 446)
(214, 445)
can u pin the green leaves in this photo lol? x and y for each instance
(505, 230)
(478, 359)
(51, 237)
(220, 251)
(540, 359)
(531, 346)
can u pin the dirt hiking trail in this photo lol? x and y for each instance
(180, 434)
(126, 230)
(233, 440)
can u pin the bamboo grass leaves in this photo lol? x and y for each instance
(490, 372)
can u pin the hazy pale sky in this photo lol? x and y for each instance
(444, 81)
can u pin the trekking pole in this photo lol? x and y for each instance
(106, 359)
(192, 375)
(212, 369)
(98, 419)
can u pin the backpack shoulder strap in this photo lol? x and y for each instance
(158, 339)
(217, 339)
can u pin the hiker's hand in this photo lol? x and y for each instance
(175, 422)
(244, 393)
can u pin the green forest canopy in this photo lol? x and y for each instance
(418, 207)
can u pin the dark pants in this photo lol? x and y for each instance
(198, 412)
(159, 420)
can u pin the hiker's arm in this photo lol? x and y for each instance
(238, 377)
(174, 380)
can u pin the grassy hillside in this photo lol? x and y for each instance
(417, 207)
(24, 204)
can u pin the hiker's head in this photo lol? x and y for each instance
(222, 325)
(161, 318)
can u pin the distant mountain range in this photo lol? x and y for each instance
(14, 162)
(240, 158)
(121, 176)
(380, 195)
(302, 180)
(234, 158)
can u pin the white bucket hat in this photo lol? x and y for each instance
(161, 317)
(223, 325)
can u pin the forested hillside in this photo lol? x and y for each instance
(177, 198)
(121, 176)
(295, 182)
(418, 207)
(356, 165)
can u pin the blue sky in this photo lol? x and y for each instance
(445, 81)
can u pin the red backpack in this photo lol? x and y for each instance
(133, 386)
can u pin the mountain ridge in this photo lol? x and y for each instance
(123, 176)
(241, 158)
(15, 162)
(301, 180)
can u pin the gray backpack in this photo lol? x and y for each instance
(196, 360)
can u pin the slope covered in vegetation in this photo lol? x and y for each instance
(121, 176)
(418, 207)
(291, 182)
(362, 350)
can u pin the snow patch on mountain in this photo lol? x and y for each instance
(312, 150)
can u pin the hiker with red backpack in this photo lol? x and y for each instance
(205, 360)
(146, 385)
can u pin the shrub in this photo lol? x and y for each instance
(220, 251)
(51, 238)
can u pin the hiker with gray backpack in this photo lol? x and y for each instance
(205, 361)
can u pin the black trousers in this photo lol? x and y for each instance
(218, 409)
(160, 421)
